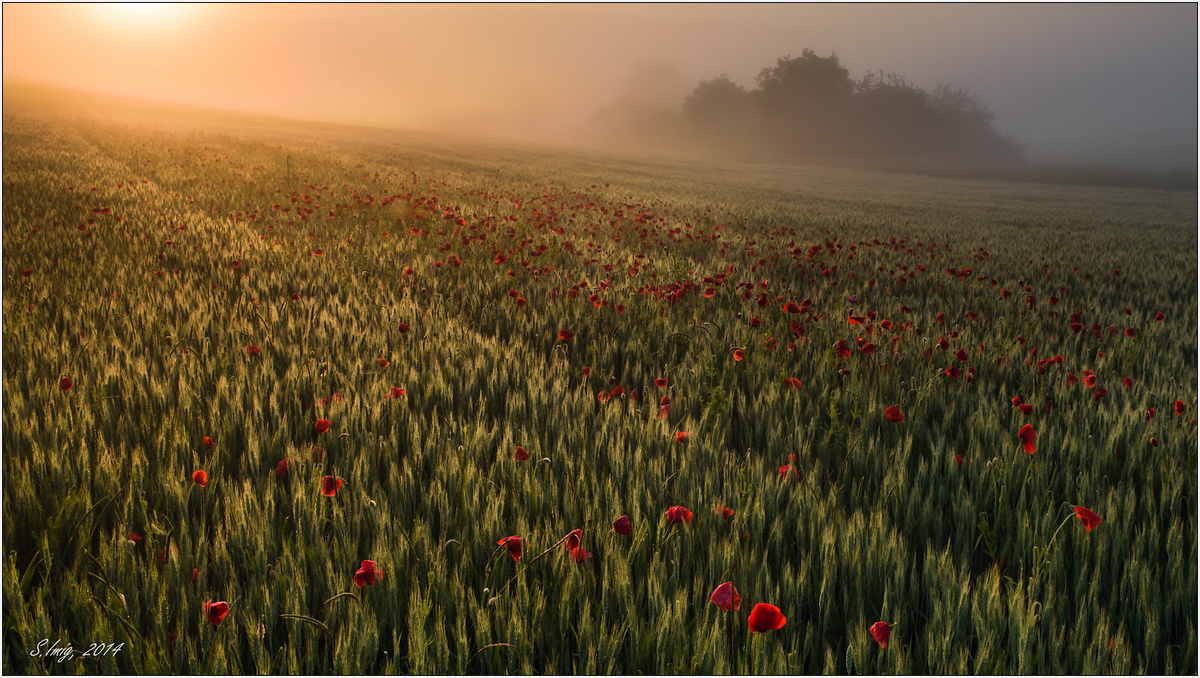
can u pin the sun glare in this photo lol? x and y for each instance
(143, 15)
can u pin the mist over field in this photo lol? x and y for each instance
(1109, 84)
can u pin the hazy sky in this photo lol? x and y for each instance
(1078, 79)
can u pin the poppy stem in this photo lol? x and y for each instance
(531, 562)
(1039, 565)
(732, 643)
(491, 560)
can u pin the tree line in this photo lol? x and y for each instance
(809, 109)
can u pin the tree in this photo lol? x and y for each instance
(804, 100)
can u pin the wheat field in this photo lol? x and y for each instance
(242, 357)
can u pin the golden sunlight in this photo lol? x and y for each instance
(143, 15)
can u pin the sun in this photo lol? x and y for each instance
(143, 15)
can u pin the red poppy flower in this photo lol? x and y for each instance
(520, 454)
(253, 350)
(580, 554)
(382, 362)
(603, 396)
(961, 354)
(282, 468)
(726, 597)
(135, 537)
(1154, 442)
(394, 392)
(617, 391)
(1072, 379)
(1100, 393)
(65, 384)
(783, 470)
(621, 526)
(1180, 408)
(1127, 382)
(958, 459)
(330, 485)
(216, 612)
(1159, 317)
(660, 382)
(678, 514)
(792, 382)
(572, 539)
(953, 372)
(842, 348)
(1028, 437)
(514, 547)
(724, 512)
(792, 307)
(403, 327)
(682, 437)
(894, 414)
(208, 442)
(1150, 414)
(881, 631)
(566, 335)
(857, 320)
(1130, 332)
(738, 355)
(321, 426)
(1016, 401)
(765, 617)
(1088, 518)
(1089, 380)
(27, 272)
(195, 577)
(1025, 409)
(237, 264)
(200, 478)
(367, 574)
